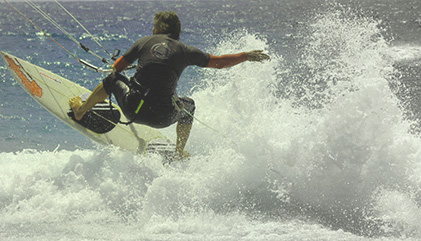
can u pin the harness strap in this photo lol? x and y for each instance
(134, 117)
(139, 106)
(142, 101)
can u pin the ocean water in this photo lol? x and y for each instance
(320, 143)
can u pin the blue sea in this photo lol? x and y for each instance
(320, 143)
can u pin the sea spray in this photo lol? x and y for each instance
(332, 143)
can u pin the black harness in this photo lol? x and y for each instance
(136, 90)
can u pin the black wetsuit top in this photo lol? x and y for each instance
(161, 60)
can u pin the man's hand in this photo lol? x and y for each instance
(257, 55)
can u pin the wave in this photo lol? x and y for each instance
(321, 140)
(323, 137)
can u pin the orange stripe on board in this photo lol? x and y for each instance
(32, 86)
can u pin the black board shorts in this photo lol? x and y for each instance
(156, 114)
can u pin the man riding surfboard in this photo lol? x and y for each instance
(149, 97)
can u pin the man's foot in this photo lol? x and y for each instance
(75, 103)
(181, 156)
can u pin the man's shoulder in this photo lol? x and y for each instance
(145, 38)
(163, 38)
(157, 38)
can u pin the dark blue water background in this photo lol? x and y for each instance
(284, 24)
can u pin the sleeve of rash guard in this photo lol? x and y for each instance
(120, 64)
(130, 56)
(196, 56)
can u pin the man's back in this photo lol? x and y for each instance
(161, 61)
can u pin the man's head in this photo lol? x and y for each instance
(167, 23)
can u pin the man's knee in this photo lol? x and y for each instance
(188, 112)
(109, 81)
(189, 105)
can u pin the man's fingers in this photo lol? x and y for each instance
(257, 55)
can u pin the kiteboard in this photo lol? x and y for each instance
(100, 124)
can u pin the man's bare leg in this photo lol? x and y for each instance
(80, 108)
(183, 133)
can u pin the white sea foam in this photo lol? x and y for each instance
(407, 53)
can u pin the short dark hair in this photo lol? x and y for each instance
(168, 23)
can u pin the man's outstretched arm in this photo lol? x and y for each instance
(229, 60)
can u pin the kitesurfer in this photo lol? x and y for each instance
(150, 98)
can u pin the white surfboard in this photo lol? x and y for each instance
(53, 92)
